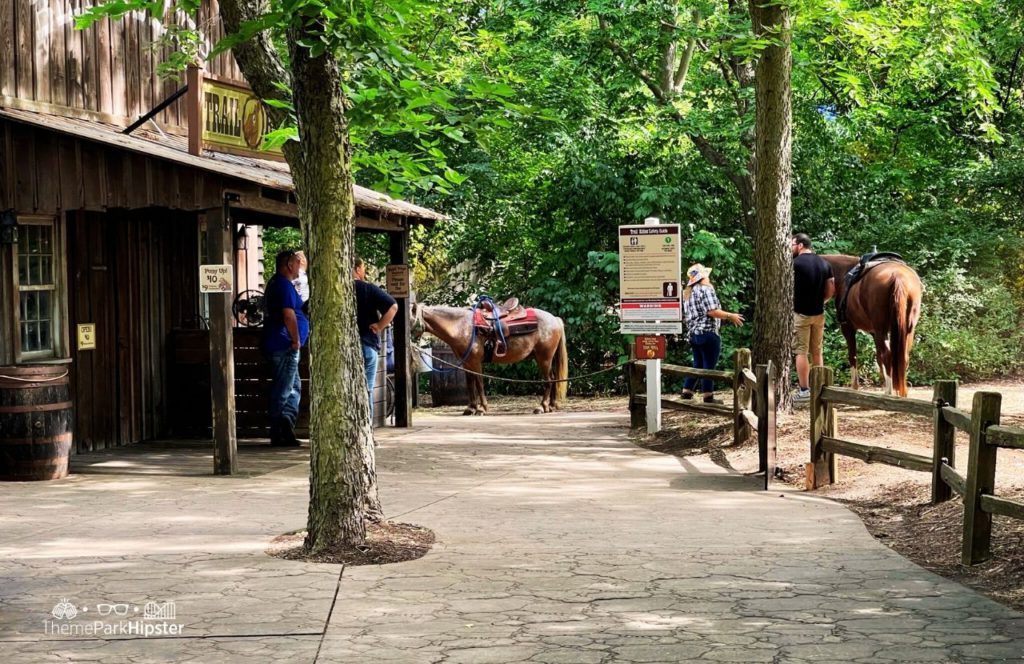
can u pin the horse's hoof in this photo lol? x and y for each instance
(538, 411)
(479, 412)
(468, 411)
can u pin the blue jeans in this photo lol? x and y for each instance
(370, 355)
(706, 349)
(286, 388)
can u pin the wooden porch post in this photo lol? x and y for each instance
(221, 250)
(404, 375)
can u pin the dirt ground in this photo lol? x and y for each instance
(894, 503)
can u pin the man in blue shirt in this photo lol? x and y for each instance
(375, 310)
(284, 333)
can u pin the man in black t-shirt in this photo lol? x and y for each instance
(375, 310)
(813, 286)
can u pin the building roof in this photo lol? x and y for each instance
(174, 148)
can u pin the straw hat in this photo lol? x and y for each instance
(695, 273)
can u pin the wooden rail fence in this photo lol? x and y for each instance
(753, 408)
(976, 488)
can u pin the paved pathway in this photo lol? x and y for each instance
(558, 542)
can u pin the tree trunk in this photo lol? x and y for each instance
(343, 486)
(342, 475)
(773, 288)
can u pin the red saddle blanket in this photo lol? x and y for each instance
(523, 321)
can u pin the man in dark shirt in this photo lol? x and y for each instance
(375, 310)
(284, 333)
(813, 286)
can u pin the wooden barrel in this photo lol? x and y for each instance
(447, 384)
(35, 422)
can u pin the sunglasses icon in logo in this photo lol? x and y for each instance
(116, 609)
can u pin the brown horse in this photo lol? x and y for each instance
(885, 303)
(454, 326)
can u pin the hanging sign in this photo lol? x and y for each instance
(216, 279)
(649, 273)
(228, 117)
(650, 348)
(87, 336)
(398, 280)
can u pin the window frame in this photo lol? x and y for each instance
(58, 300)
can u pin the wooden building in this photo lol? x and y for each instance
(113, 222)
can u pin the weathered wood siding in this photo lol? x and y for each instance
(108, 69)
(134, 275)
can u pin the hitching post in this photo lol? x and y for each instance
(653, 376)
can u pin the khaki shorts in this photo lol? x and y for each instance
(808, 334)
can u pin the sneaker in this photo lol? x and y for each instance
(802, 395)
(687, 394)
(710, 398)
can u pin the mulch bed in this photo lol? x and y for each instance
(386, 542)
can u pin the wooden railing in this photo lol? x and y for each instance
(753, 408)
(977, 487)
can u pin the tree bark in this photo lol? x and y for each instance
(342, 478)
(773, 288)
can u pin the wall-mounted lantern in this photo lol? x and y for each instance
(8, 227)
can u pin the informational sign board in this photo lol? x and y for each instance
(640, 327)
(234, 120)
(650, 348)
(649, 273)
(216, 279)
(398, 280)
(87, 336)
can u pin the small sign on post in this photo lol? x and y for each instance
(650, 348)
(398, 280)
(216, 279)
(87, 336)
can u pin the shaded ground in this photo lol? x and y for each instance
(894, 503)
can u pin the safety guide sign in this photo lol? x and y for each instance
(650, 265)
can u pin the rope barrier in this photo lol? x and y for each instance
(422, 351)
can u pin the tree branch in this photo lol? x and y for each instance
(257, 58)
(668, 57)
(679, 81)
(631, 64)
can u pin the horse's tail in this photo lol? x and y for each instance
(901, 329)
(560, 366)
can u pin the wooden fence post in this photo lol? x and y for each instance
(944, 443)
(741, 398)
(766, 447)
(981, 477)
(635, 381)
(821, 469)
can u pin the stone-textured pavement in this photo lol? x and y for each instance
(558, 541)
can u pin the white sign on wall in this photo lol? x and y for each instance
(216, 279)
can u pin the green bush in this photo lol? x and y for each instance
(969, 329)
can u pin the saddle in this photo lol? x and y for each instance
(867, 261)
(495, 323)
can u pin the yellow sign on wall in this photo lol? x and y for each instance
(234, 120)
(87, 336)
